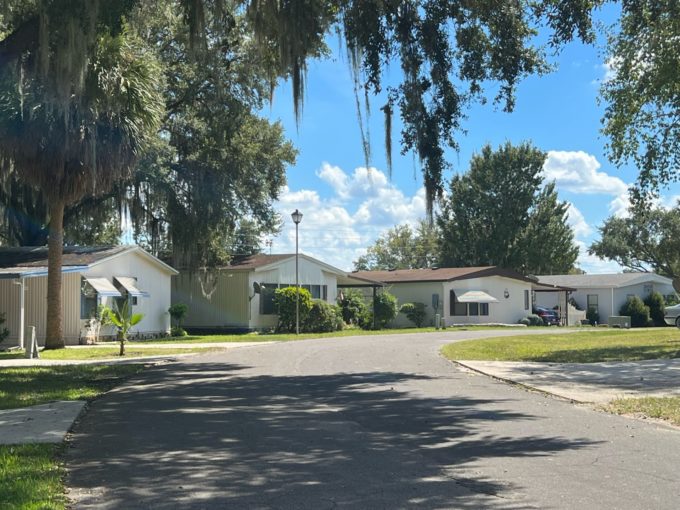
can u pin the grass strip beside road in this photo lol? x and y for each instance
(663, 408)
(588, 346)
(31, 477)
(27, 386)
(104, 353)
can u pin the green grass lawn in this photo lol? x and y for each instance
(31, 477)
(287, 337)
(27, 386)
(94, 353)
(582, 347)
(664, 408)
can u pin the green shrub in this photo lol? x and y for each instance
(593, 316)
(535, 320)
(353, 306)
(177, 331)
(284, 300)
(385, 308)
(178, 312)
(4, 332)
(415, 312)
(636, 310)
(524, 321)
(365, 320)
(656, 305)
(323, 317)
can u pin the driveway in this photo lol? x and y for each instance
(371, 422)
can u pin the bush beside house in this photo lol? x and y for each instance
(593, 316)
(353, 306)
(638, 312)
(415, 312)
(285, 300)
(385, 307)
(656, 304)
(323, 317)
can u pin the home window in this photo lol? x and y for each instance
(526, 299)
(484, 309)
(592, 303)
(324, 292)
(473, 308)
(88, 300)
(316, 291)
(267, 306)
(455, 307)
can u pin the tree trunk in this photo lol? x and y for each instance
(121, 339)
(54, 338)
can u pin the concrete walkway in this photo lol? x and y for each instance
(45, 423)
(589, 382)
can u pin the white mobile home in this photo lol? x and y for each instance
(90, 276)
(606, 293)
(461, 295)
(241, 296)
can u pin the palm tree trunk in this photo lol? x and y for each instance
(54, 338)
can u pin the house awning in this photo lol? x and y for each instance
(104, 287)
(130, 286)
(474, 296)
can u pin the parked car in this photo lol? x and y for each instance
(550, 317)
(672, 315)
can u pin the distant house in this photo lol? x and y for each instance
(606, 293)
(90, 276)
(461, 295)
(241, 296)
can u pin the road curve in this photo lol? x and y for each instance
(362, 422)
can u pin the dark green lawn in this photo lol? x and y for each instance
(588, 346)
(27, 386)
(31, 477)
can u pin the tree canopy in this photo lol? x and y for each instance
(647, 240)
(402, 248)
(502, 213)
(642, 96)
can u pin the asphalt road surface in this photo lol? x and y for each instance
(373, 422)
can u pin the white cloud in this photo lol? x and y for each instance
(619, 206)
(578, 222)
(594, 265)
(577, 171)
(340, 228)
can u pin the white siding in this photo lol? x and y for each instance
(507, 311)
(610, 300)
(151, 277)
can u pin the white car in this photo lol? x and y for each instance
(672, 315)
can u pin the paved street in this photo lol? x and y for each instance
(372, 422)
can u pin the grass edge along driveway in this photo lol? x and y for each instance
(587, 346)
(32, 475)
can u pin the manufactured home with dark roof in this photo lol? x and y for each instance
(460, 295)
(90, 276)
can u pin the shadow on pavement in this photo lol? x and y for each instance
(215, 436)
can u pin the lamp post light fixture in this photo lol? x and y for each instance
(297, 218)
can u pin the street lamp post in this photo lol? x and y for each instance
(297, 218)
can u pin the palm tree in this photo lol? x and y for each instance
(123, 319)
(72, 145)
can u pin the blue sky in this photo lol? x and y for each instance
(346, 207)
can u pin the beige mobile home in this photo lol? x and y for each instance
(241, 296)
(91, 276)
(460, 295)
